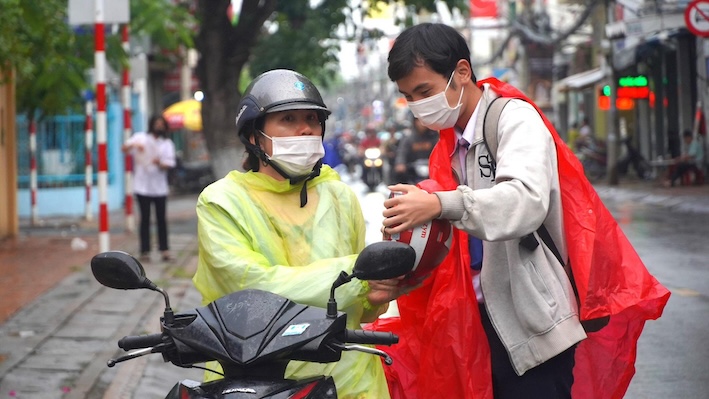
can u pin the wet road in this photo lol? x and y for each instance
(673, 351)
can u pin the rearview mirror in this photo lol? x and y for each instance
(119, 270)
(384, 260)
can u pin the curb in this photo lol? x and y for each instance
(696, 201)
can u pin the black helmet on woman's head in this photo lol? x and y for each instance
(278, 90)
(275, 91)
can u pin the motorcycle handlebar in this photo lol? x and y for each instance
(131, 342)
(370, 337)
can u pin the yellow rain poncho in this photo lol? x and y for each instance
(254, 234)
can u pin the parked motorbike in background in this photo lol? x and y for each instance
(372, 168)
(253, 334)
(417, 171)
(592, 154)
(633, 158)
(190, 177)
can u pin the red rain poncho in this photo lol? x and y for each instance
(443, 350)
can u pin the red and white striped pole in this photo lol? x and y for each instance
(127, 131)
(88, 166)
(33, 173)
(101, 126)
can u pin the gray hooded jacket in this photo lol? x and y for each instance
(527, 293)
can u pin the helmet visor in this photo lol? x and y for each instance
(298, 105)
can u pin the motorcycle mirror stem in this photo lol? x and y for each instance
(332, 303)
(121, 271)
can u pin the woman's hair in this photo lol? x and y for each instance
(250, 129)
(153, 120)
(438, 46)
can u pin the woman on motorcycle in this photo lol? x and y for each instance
(288, 225)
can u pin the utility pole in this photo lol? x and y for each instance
(612, 136)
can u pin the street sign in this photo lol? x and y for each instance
(83, 12)
(697, 17)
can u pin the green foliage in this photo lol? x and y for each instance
(169, 25)
(300, 37)
(49, 70)
(11, 50)
(300, 41)
(51, 59)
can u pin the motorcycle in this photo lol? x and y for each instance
(417, 171)
(253, 334)
(190, 177)
(633, 157)
(372, 170)
(592, 154)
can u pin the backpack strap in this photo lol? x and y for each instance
(490, 122)
(490, 125)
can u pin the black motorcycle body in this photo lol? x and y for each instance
(416, 171)
(253, 334)
(190, 177)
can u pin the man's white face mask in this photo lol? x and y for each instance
(434, 112)
(296, 155)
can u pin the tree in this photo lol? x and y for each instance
(43, 50)
(51, 58)
(295, 36)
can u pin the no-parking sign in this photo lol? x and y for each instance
(696, 16)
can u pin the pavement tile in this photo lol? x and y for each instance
(64, 353)
(37, 384)
(113, 302)
(87, 325)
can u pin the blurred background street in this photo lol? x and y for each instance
(623, 81)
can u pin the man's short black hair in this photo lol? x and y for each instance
(437, 45)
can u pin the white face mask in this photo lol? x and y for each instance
(434, 112)
(296, 155)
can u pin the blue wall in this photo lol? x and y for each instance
(70, 201)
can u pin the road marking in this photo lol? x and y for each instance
(688, 292)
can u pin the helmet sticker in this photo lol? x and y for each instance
(300, 85)
(241, 111)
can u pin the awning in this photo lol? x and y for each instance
(581, 80)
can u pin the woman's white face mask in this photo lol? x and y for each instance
(434, 112)
(296, 155)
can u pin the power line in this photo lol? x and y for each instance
(518, 28)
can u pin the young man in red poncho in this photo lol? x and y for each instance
(499, 318)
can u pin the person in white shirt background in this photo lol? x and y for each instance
(153, 154)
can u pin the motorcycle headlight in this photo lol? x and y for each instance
(368, 163)
(372, 153)
(378, 162)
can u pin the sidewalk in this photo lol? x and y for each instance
(42, 255)
(58, 326)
